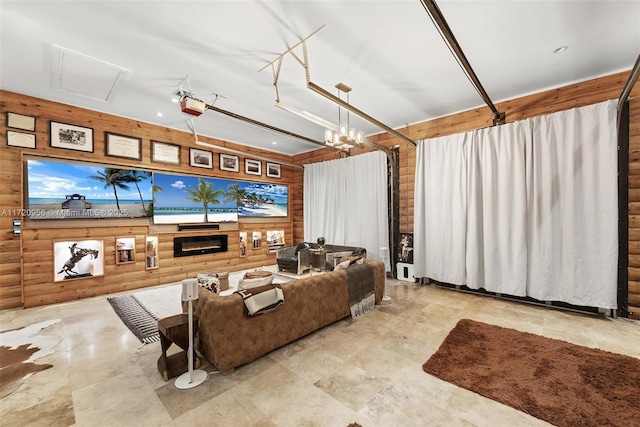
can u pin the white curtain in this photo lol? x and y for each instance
(573, 215)
(496, 257)
(345, 201)
(442, 214)
(531, 208)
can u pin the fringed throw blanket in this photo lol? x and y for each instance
(261, 299)
(361, 289)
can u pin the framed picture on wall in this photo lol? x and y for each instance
(71, 137)
(200, 158)
(229, 163)
(20, 121)
(252, 167)
(124, 146)
(21, 139)
(273, 170)
(163, 152)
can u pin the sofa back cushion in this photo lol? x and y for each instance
(255, 279)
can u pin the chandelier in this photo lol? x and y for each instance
(345, 137)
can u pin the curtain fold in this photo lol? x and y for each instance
(496, 255)
(573, 199)
(528, 208)
(439, 219)
(345, 201)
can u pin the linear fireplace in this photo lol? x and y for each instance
(198, 245)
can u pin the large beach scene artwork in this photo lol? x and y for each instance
(68, 190)
(258, 199)
(181, 199)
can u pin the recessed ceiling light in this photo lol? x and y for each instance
(274, 143)
(159, 114)
(560, 49)
(175, 100)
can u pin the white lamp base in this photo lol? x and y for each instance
(192, 379)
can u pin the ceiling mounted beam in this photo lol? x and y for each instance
(191, 125)
(304, 62)
(445, 31)
(628, 86)
(331, 97)
(263, 125)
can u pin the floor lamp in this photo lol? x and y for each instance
(192, 378)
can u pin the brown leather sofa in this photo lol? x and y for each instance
(228, 338)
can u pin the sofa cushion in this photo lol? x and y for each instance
(343, 265)
(355, 259)
(257, 274)
(248, 283)
(209, 281)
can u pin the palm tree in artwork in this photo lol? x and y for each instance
(113, 178)
(136, 176)
(205, 194)
(234, 192)
(154, 189)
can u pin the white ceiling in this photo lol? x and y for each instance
(388, 52)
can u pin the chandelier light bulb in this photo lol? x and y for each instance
(328, 136)
(344, 129)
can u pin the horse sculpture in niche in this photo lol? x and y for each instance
(76, 255)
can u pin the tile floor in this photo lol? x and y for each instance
(366, 370)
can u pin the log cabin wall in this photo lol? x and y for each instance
(634, 203)
(11, 261)
(546, 102)
(26, 262)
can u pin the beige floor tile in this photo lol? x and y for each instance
(366, 370)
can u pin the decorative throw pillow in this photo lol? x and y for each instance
(257, 274)
(209, 282)
(343, 265)
(356, 259)
(255, 282)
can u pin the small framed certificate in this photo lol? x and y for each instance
(20, 121)
(21, 139)
(122, 146)
(165, 153)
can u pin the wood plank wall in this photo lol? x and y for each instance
(634, 203)
(26, 262)
(546, 102)
(575, 95)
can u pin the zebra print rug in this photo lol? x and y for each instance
(140, 320)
